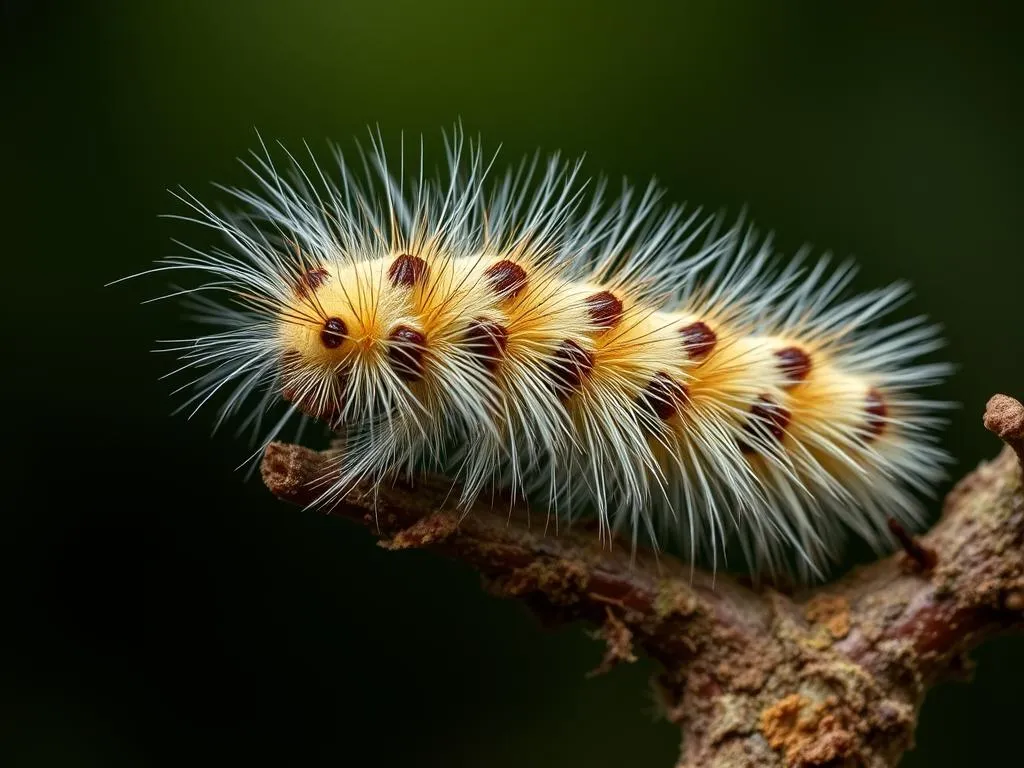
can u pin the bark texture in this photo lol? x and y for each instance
(833, 676)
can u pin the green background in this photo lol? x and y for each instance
(160, 611)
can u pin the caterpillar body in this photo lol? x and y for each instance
(653, 368)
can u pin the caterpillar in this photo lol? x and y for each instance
(611, 357)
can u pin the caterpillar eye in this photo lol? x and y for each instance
(333, 333)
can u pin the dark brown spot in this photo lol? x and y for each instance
(407, 270)
(794, 363)
(487, 341)
(327, 410)
(506, 278)
(571, 364)
(664, 396)
(333, 333)
(767, 418)
(877, 412)
(605, 309)
(406, 352)
(698, 340)
(312, 280)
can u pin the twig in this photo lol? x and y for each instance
(924, 557)
(831, 677)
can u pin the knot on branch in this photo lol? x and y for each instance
(1004, 416)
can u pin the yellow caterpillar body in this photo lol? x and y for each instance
(661, 372)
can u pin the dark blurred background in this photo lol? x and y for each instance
(157, 610)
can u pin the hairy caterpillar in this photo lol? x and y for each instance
(654, 368)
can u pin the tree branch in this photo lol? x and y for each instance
(834, 676)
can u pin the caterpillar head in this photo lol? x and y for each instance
(342, 331)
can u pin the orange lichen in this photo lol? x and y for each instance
(831, 611)
(807, 733)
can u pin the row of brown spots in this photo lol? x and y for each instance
(698, 340)
(605, 309)
(333, 333)
(507, 278)
(664, 396)
(487, 340)
(767, 418)
(794, 363)
(877, 412)
(570, 365)
(406, 352)
(310, 281)
(407, 270)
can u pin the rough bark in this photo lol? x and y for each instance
(834, 676)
